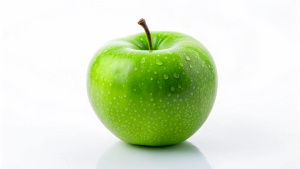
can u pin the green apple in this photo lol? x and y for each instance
(152, 93)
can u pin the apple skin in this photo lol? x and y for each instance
(153, 98)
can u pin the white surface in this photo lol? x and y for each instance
(46, 119)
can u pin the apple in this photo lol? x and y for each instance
(152, 89)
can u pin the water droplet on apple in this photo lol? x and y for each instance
(187, 58)
(181, 64)
(176, 75)
(169, 94)
(191, 66)
(155, 72)
(173, 88)
(143, 60)
(108, 92)
(179, 86)
(158, 62)
(166, 76)
(151, 78)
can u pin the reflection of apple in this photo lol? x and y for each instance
(183, 155)
(152, 97)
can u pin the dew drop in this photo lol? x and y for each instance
(173, 88)
(176, 75)
(166, 76)
(191, 66)
(143, 60)
(155, 72)
(151, 78)
(158, 62)
(187, 58)
(169, 94)
(135, 69)
(179, 86)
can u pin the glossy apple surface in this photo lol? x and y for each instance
(154, 98)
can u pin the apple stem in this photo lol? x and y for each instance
(142, 22)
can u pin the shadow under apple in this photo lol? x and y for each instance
(123, 155)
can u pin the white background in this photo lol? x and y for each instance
(46, 119)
